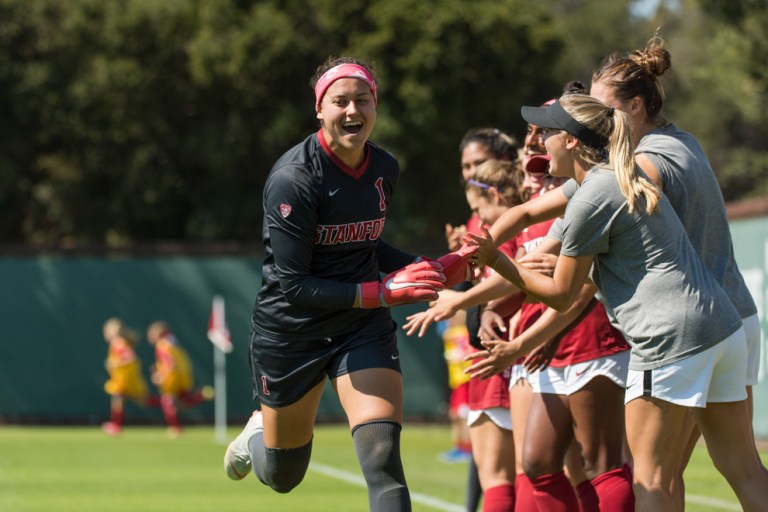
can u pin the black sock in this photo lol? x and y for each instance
(377, 444)
(282, 469)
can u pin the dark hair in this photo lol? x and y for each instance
(637, 74)
(502, 146)
(332, 62)
(575, 87)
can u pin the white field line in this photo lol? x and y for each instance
(359, 481)
(712, 502)
(438, 504)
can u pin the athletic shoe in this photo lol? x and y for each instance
(455, 456)
(173, 432)
(237, 459)
(110, 428)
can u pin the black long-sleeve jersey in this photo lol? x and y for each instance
(322, 226)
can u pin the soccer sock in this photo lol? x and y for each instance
(499, 499)
(377, 444)
(116, 416)
(588, 500)
(614, 488)
(554, 493)
(192, 399)
(170, 414)
(524, 501)
(282, 469)
(474, 491)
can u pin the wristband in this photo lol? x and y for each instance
(370, 294)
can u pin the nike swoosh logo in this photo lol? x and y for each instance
(394, 358)
(332, 193)
(580, 373)
(399, 286)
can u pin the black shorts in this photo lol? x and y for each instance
(283, 371)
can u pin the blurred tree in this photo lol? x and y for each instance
(720, 69)
(586, 47)
(447, 67)
(137, 120)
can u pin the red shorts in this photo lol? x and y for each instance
(459, 402)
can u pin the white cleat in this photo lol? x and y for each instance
(237, 460)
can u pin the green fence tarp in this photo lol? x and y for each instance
(52, 352)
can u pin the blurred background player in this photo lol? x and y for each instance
(456, 347)
(173, 376)
(125, 377)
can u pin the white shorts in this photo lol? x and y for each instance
(518, 372)
(714, 375)
(499, 415)
(752, 329)
(569, 379)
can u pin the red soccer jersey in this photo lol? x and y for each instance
(591, 338)
(494, 391)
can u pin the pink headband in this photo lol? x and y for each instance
(343, 71)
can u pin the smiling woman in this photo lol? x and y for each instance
(346, 107)
(322, 312)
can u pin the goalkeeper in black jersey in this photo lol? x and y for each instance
(322, 311)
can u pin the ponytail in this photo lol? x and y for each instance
(612, 124)
(622, 159)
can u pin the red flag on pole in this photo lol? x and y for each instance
(218, 332)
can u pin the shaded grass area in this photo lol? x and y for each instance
(60, 469)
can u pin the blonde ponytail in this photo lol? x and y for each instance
(622, 159)
(612, 124)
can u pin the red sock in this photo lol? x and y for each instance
(169, 412)
(116, 417)
(191, 399)
(499, 499)
(554, 493)
(524, 501)
(588, 500)
(614, 488)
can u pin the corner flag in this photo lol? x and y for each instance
(218, 332)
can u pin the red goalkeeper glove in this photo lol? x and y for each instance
(417, 282)
(456, 265)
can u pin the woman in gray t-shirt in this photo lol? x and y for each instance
(622, 231)
(675, 161)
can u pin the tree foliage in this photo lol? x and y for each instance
(137, 120)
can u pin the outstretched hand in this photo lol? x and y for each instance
(443, 308)
(542, 263)
(498, 356)
(453, 235)
(416, 282)
(541, 356)
(490, 323)
(486, 253)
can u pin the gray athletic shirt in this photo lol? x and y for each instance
(667, 303)
(692, 188)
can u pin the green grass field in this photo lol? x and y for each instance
(80, 469)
